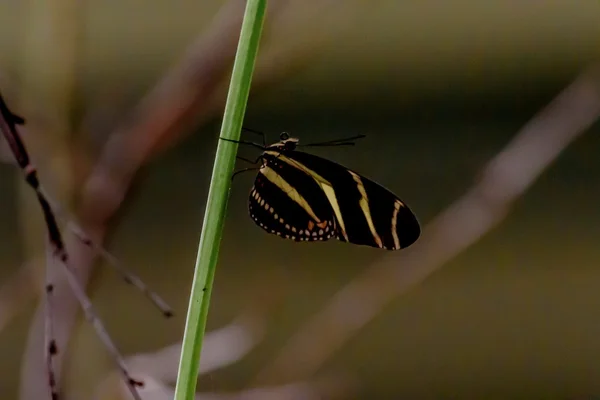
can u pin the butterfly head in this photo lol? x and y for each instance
(286, 142)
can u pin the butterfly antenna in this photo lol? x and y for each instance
(349, 141)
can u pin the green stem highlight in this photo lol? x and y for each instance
(216, 207)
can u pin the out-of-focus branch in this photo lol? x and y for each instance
(48, 71)
(223, 347)
(183, 96)
(502, 181)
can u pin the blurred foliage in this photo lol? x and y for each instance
(400, 51)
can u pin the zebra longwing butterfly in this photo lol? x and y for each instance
(303, 197)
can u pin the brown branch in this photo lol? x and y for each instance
(50, 55)
(503, 180)
(184, 96)
(223, 347)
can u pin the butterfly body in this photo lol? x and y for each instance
(303, 197)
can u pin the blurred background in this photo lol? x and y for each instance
(438, 87)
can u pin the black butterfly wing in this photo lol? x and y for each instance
(365, 212)
(286, 202)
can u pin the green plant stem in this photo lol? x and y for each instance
(214, 217)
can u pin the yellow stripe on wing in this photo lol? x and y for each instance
(364, 205)
(322, 182)
(288, 189)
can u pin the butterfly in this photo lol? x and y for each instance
(304, 197)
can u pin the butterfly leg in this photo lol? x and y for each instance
(245, 170)
(264, 136)
(250, 161)
(259, 146)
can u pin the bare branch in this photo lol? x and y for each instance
(224, 346)
(55, 252)
(64, 318)
(503, 180)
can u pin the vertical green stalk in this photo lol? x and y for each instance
(214, 217)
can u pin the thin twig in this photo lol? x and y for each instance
(128, 275)
(8, 122)
(50, 349)
(92, 317)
